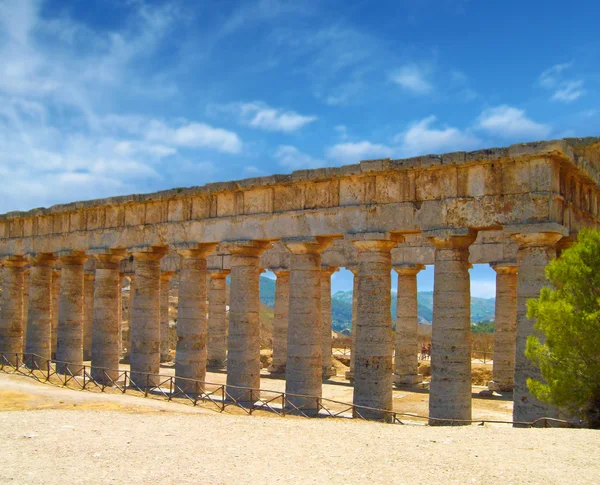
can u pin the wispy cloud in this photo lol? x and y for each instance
(354, 152)
(291, 158)
(563, 89)
(412, 78)
(262, 116)
(512, 123)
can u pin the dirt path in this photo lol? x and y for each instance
(70, 437)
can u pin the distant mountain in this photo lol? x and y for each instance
(482, 309)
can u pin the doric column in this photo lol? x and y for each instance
(144, 328)
(406, 361)
(450, 388)
(106, 336)
(354, 271)
(243, 343)
(120, 313)
(88, 314)
(69, 347)
(280, 321)
(26, 284)
(129, 314)
(11, 312)
(165, 277)
(39, 326)
(326, 272)
(217, 320)
(55, 300)
(304, 366)
(373, 369)
(535, 251)
(505, 327)
(190, 360)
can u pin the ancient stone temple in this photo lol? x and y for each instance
(512, 208)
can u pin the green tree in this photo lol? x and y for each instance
(569, 316)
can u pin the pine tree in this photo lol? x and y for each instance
(569, 316)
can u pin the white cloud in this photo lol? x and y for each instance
(252, 170)
(564, 90)
(260, 115)
(354, 152)
(509, 122)
(291, 158)
(483, 288)
(413, 78)
(421, 138)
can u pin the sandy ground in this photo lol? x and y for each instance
(53, 435)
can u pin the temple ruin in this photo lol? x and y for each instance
(514, 208)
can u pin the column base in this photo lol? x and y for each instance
(216, 364)
(329, 372)
(407, 380)
(500, 386)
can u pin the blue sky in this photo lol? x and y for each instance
(108, 97)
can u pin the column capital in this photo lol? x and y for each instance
(246, 247)
(307, 245)
(408, 269)
(451, 238)
(14, 261)
(41, 259)
(218, 274)
(90, 276)
(328, 270)
(147, 253)
(194, 250)
(537, 239)
(375, 241)
(281, 272)
(505, 267)
(353, 268)
(166, 275)
(68, 256)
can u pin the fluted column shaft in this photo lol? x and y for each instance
(350, 371)
(328, 368)
(450, 388)
(406, 361)
(243, 343)
(69, 346)
(190, 361)
(144, 327)
(106, 328)
(535, 251)
(165, 277)
(217, 320)
(26, 284)
(39, 327)
(11, 312)
(88, 314)
(505, 327)
(130, 313)
(55, 299)
(373, 368)
(280, 321)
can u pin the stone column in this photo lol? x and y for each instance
(535, 251)
(217, 320)
(280, 321)
(190, 360)
(243, 343)
(505, 327)
(165, 277)
(450, 388)
(144, 327)
(69, 348)
(26, 284)
(406, 361)
(39, 327)
(304, 367)
(55, 299)
(106, 336)
(88, 314)
(127, 339)
(354, 270)
(120, 313)
(373, 368)
(11, 312)
(328, 367)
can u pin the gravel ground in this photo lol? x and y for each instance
(58, 436)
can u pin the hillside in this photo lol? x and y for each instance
(482, 309)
